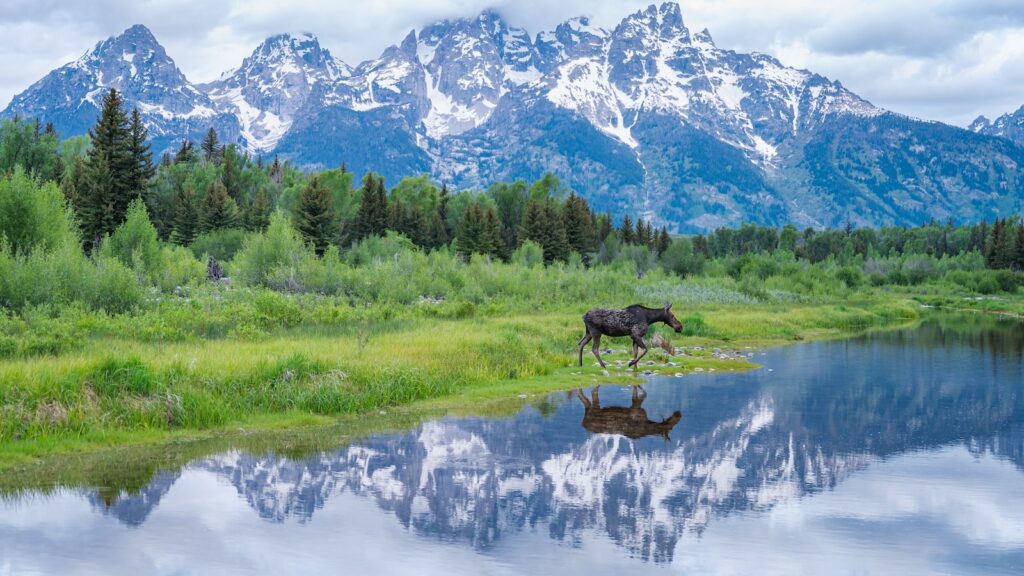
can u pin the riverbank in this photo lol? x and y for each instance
(113, 390)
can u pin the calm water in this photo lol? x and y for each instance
(895, 453)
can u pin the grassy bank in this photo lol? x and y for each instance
(107, 385)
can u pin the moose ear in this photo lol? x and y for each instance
(668, 305)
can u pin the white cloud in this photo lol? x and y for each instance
(947, 60)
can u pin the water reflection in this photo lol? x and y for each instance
(750, 443)
(631, 422)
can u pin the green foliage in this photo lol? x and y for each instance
(32, 214)
(265, 257)
(315, 218)
(218, 210)
(24, 144)
(134, 243)
(113, 172)
(528, 255)
(222, 244)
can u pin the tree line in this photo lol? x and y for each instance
(213, 193)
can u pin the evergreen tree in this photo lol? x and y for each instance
(604, 226)
(558, 249)
(490, 237)
(626, 235)
(372, 215)
(470, 238)
(218, 210)
(534, 226)
(211, 147)
(186, 153)
(315, 217)
(111, 169)
(257, 213)
(186, 216)
(579, 226)
(1000, 250)
(643, 233)
(97, 211)
(231, 172)
(1018, 258)
(664, 241)
(142, 170)
(275, 170)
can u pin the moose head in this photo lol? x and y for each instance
(670, 318)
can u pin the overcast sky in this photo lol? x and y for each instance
(946, 60)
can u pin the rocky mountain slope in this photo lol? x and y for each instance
(646, 118)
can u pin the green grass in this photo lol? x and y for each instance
(112, 390)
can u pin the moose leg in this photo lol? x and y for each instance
(597, 350)
(583, 399)
(595, 396)
(638, 342)
(583, 343)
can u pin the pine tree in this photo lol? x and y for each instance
(218, 210)
(558, 248)
(664, 241)
(257, 213)
(490, 236)
(1000, 250)
(604, 226)
(470, 237)
(579, 226)
(643, 232)
(211, 147)
(1018, 257)
(110, 167)
(534, 226)
(372, 215)
(186, 153)
(275, 170)
(231, 172)
(97, 211)
(315, 217)
(626, 235)
(186, 216)
(142, 169)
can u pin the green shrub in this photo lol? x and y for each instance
(528, 255)
(32, 214)
(134, 243)
(222, 244)
(272, 255)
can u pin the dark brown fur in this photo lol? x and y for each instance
(633, 321)
(630, 422)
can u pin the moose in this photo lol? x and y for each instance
(630, 422)
(633, 321)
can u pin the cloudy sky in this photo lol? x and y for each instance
(946, 60)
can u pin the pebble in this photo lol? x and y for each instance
(679, 374)
(698, 369)
(522, 396)
(605, 373)
(382, 413)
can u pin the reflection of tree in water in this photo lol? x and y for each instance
(825, 411)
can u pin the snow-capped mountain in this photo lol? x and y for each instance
(139, 67)
(644, 117)
(1009, 125)
(274, 84)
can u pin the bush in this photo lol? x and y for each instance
(134, 243)
(222, 244)
(528, 255)
(33, 215)
(271, 255)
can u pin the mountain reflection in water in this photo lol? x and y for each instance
(748, 443)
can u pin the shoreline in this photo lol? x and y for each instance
(62, 461)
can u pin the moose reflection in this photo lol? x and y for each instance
(631, 422)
